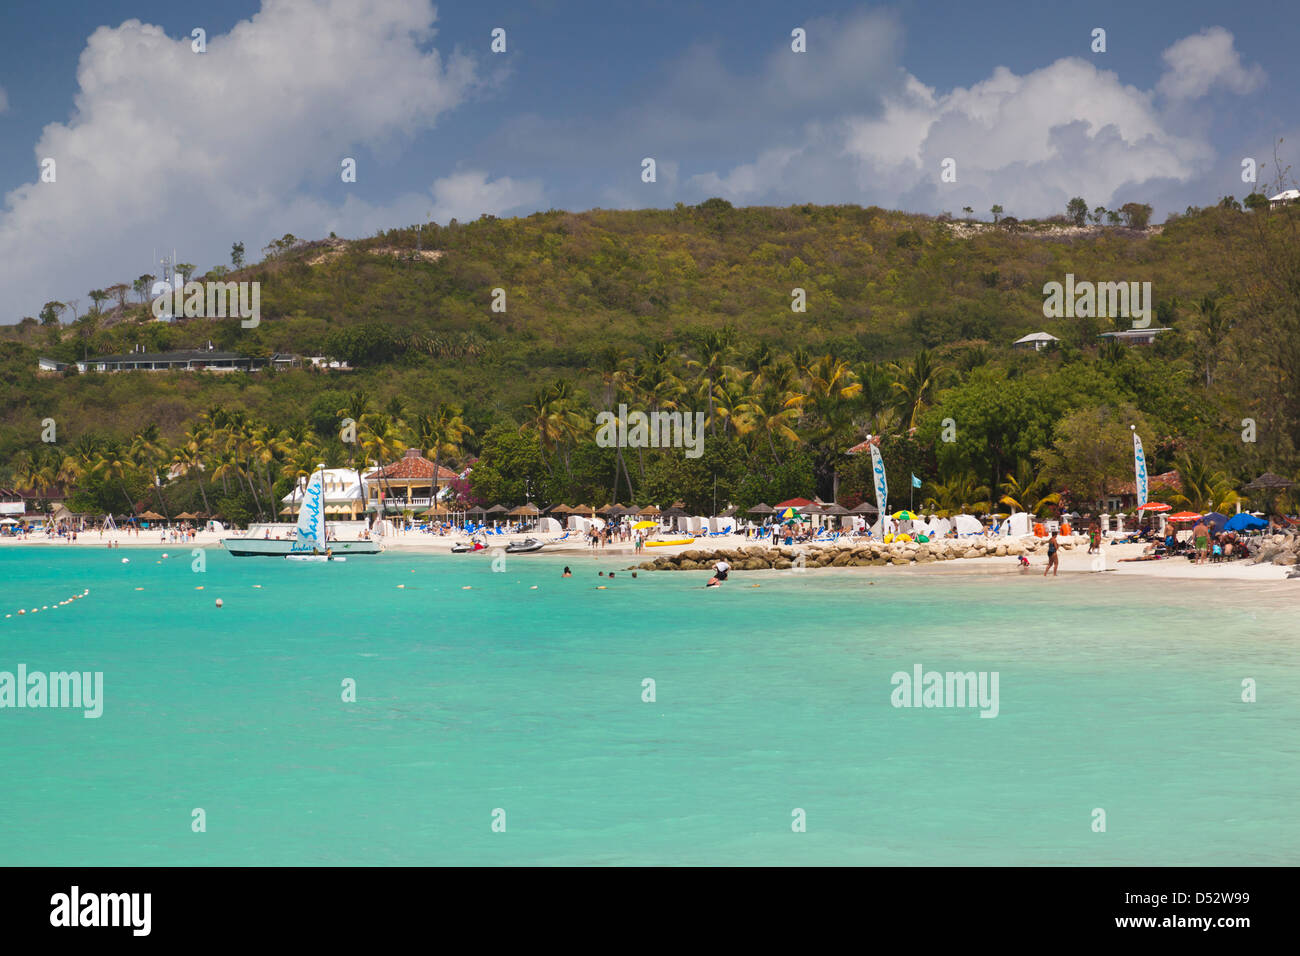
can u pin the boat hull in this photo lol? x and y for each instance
(273, 548)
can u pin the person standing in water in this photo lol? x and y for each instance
(1053, 559)
(720, 572)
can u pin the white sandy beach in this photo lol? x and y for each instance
(1074, 557)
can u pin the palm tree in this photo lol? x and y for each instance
(1024, 490)
(189, 456)
(148, 451)
(443, 432)
(713, 348)
(113, 464)
(1215, 328)
(770, 415)
(915, 384)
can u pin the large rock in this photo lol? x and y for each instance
(1284, 558)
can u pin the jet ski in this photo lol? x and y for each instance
(527, 546)
(466, 547)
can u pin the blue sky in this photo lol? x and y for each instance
(156, 146)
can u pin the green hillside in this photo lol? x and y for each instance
(908, 322)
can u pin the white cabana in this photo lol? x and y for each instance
(548, 526)
(933, 527)
(968, 524)
(1019, 524)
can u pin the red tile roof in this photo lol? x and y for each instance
(411, 466)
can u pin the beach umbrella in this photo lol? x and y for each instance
(788, 515)
(560, 509)
(649, 510)
(1215, 520)
(834, 508)
(1183, 516)
(1245, 522)
(1154, 506)
(477, 511)
(645, 524)
(526, 510)
(903, 516)
(761, 509)
(495, 510)
(1268, 482)
(866, 508)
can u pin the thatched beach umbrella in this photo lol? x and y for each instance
(1268, 482)
(649, 511)
(866, 508)
(560, 509)
(526, 510)
(478, 511)
(152, 516)
(761, 509)
(496, 510)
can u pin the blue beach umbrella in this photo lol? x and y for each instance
(1245, 522)
(1215, 520)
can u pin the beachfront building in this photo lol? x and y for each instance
(1035, 340)
(1124, 497)
(407, 484)
(344, 495)
(1134, 336)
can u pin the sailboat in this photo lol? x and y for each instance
(309, 540)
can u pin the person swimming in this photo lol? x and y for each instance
(567, 573)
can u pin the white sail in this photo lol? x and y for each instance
(310, 535)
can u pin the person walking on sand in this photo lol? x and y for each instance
(1053, 559)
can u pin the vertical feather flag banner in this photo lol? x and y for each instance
(882, 489)
(1139, 468)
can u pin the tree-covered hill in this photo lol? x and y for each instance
(907, 320)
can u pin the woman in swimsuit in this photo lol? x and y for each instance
(1053, 560)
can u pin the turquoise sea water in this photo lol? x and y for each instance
(1119, 694)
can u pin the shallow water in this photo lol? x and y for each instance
(1114, 693)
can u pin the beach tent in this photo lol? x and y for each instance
(968, 524)
(1019, 524)
(548, 525)
(1215, 520)
(1245, 522)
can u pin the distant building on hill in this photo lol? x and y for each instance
(1034, 340)
(1134, 336)
(185, 360)
(1285, 197)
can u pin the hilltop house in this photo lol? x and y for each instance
(1283, 198)
(1034, 340)
(186, 360)
(1134, 336)
(407, 484)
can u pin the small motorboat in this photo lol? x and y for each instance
(527, 546)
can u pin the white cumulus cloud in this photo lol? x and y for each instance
(1028, 141)
(169, 147)
(1197, 63)
(469, 194)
